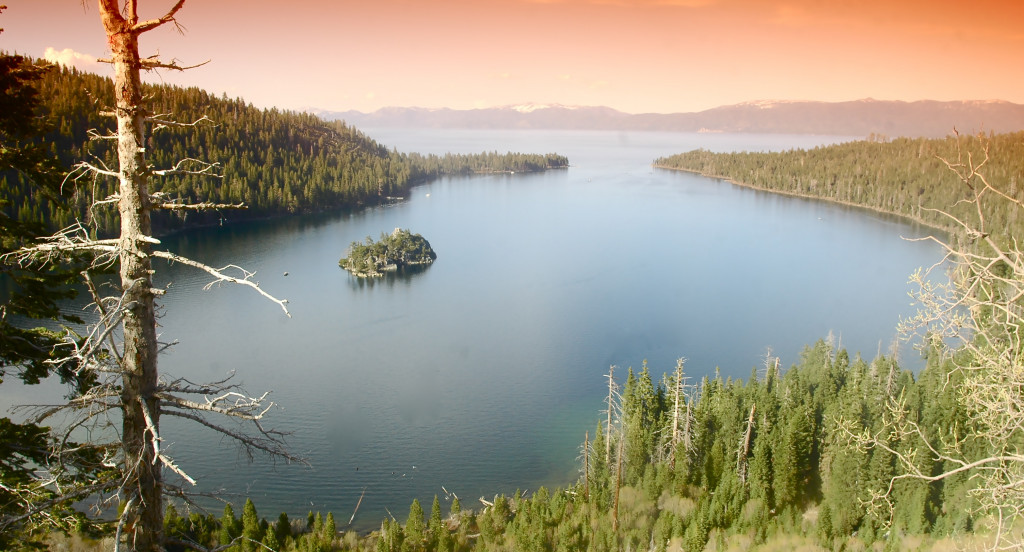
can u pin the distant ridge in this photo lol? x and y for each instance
(925, 118)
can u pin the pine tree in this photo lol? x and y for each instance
(791, 459)
(330, 531)
(270, 542)
(229, 526)
(435, 525)
(251, 534)
(29, 169)
(283, 528)
(415, 531)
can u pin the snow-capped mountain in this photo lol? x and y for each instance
(853, 118)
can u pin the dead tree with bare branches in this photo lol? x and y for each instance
(613, 412)
(122, 410)
(680, 439)
(975, 319)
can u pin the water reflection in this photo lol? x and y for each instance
(401, 276)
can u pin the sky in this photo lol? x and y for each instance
(637, 56)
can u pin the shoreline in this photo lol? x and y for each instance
(901, 216)
(351, 208)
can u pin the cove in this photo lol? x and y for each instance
(482, 372)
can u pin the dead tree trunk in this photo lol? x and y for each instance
(744, 448)
(125, 378)
(771, 369)
(611, 408)
(688, 427)
(677, 392)
(586, 466)
(618, 488)
(142, 496)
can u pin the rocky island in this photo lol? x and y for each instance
(400, 249)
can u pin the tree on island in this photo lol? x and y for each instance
(393, 251)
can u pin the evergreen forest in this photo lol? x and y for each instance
(272, 162)
(902, 176)
(695, 465)
(399, 249)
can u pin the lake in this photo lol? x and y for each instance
(482, 373)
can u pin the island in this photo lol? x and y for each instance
(393, 251)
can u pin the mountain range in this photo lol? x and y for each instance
(853, 118)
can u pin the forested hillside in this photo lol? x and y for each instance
(272, 161)
(906, 177)
(725, 463)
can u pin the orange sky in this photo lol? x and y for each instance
(633, 55)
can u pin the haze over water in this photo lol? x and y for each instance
(483, 372)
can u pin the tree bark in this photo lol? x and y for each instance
(586, 466)
(608, 425)
(677, 392)
(744, 449)
(126, 377)
(618, 488)
(142, 493)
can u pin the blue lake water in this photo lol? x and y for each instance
(482, 373)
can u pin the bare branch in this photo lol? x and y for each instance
(209, 388)
(174, 467)
(161, 123)
(151, 24)
(85, 167)
(270, 444)
(120, 523)
(181, 167)
(229, 404)
(221, 277)
(151, 63)
(73, 239)
(95, 135)
(172, 206)
(104, 314)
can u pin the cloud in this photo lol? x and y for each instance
(70, 58)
